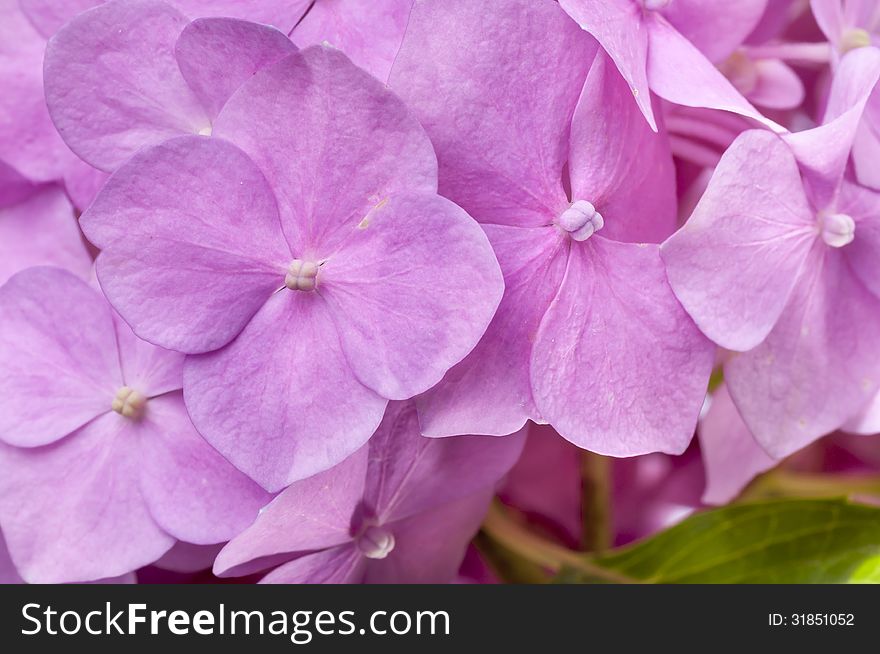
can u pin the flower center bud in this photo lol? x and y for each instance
(838, 229)
(655, 5)
(581, 220)
(129, 403)
(854, 38)
(375, 542)
(301, 276)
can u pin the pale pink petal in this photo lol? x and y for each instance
(146, 368)
(217, 55)
(730, 453)
(823, 151)
(42, 231)
(58, 356)
(490, 392)
(863, 206)
(49, 16)
(734, 263)
(818, 367)
(321, 507)
(777, 85)
(867, 421)
(295, 408)
(353, 141)
(83, 182)
(620, 29)
(368, 32)
(337, 565)
(429, 547)
(193, 242)
(501, 138)
(193, 493)
(113, 84)
(405, 474)
(411, 290)
(629, 178)
(618, 367)
(829, 18)
(678, 72)
(73, 510)
(716, 27)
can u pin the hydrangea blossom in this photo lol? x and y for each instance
(589, 336)
(98, 453)
(778, 262)
(303, 253)
(401, 509)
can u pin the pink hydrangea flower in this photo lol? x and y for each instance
(401, 509)
(312, 262)
(100, 468)
(589, 336)
(778, 262)
(656, 45)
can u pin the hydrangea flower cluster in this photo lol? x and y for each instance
(294, 290)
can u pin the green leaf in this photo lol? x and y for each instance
(777, 541)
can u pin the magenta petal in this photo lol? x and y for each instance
(818, 367)
(193, 493)
(823, 151)
(410, 473)
(501, 138)
(829, 16)
(282, 14)
(630, 178)
(735, 262)
(49, 16)
(194, 245)
(113, 84)
(296, 407)
(731, 455)
(337, 565)
(8, 572)
(678, 72)
(490, 392)
(42, 231)
(429, 547)
(186, 557)
(716, 27)
(14, 187)
(73, 510)
(369, 33)
(411, 290)
(60, 367)
(618, 367)
(353, 141)
(321, 508)
(619, 27)
(217, 55)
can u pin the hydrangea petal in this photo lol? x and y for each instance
(818, 367)
(337, 565)
(412, 290)
(113, 84)
(73, 510)
(863, 206)
(49, 16)
(369, 33)
(403, 479)
(618, 26)
(353, 141)
(731, 455)
(193, 493)
(149, 369)
(321, 507)
(186, 557)
(14, 187)
(429, 547)
(681, 74)
(501, 138)
(716, 27)
(193, 242)
(618, 367)
(281, 14)
(8, 572)
(217, 55)
(867, 421)
(777, 86)
(60, 367)
(734, 263)
(42, 231)
(490, 392)
(630, 178)
(823, 151)
(296, 408)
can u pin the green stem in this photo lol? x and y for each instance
(596, 517)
